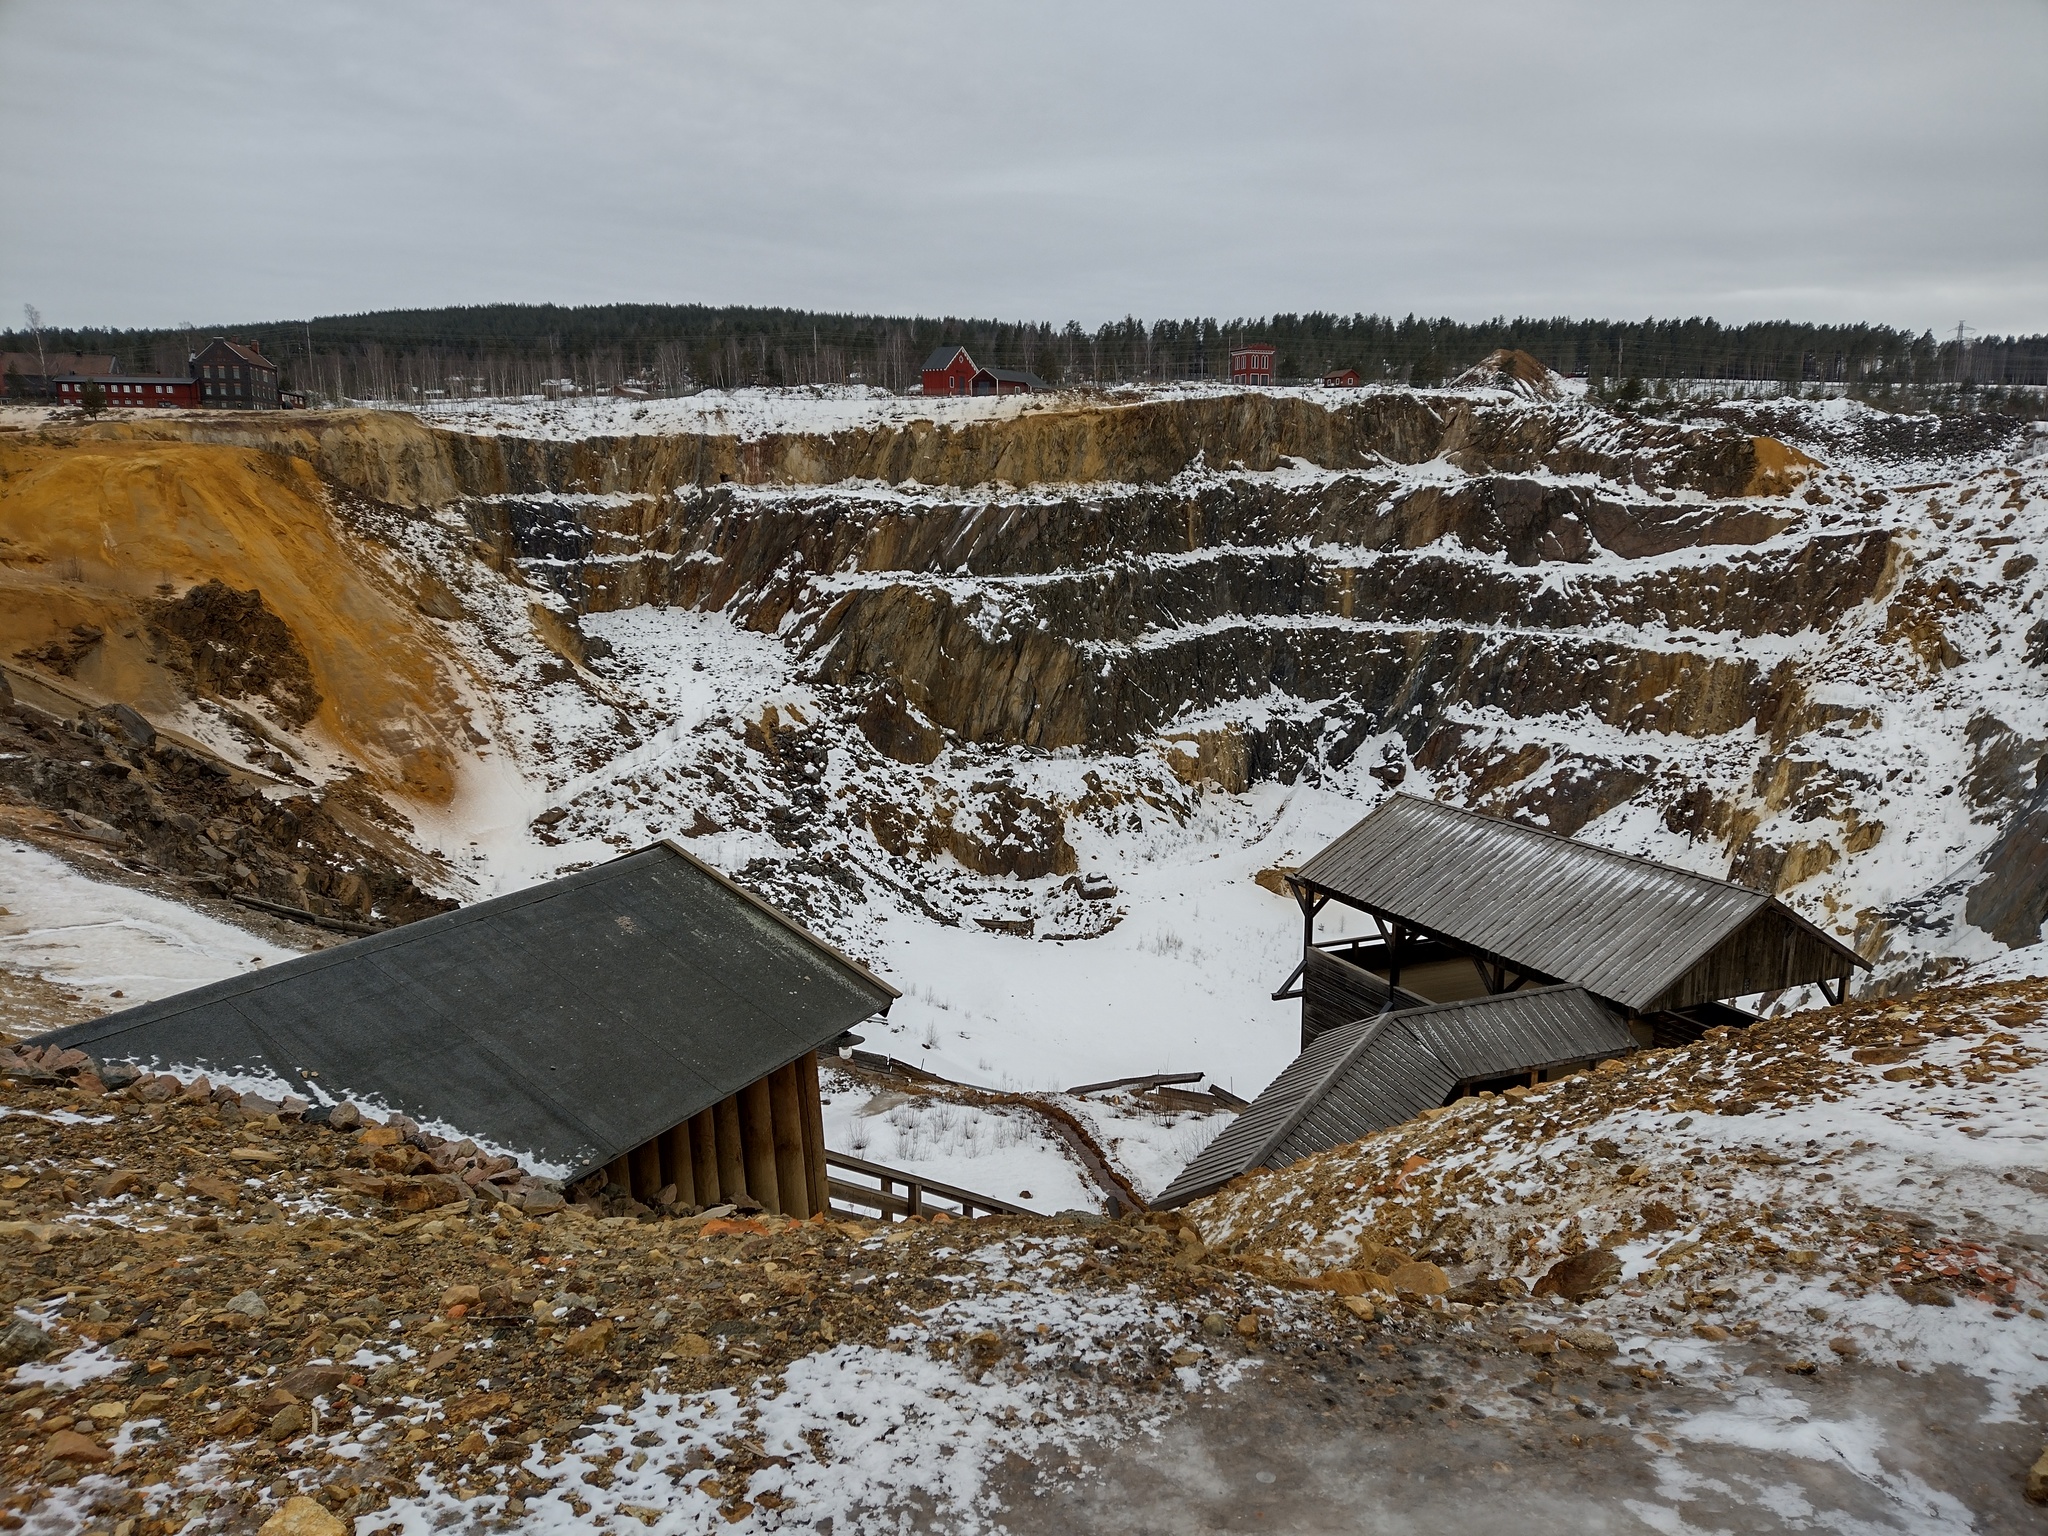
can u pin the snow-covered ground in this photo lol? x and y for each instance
(113, 946)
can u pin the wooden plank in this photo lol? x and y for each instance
(732, 1162)
(675, 1163)
(866, 1197)
(620, 1172)
(814, 1129)
(703, 1131)
(645, 1160)
(1156, 1080)
(886, 1174)
(757, 1141)
(786, 1122)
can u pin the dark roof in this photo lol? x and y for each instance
(1022, 376)
(942, 359)
(1629, 929)
(246, 353)
(570, 1021)
(122, 378)
(91, 364)
(1363, 1077)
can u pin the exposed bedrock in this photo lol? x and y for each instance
(706, 552)
(1037, 688)
(402, 462)
(1147, 444)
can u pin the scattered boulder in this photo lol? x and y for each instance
(22, 1341)
(1582, 1275)
(302, 1516)
(70, 1445)
(247, 1304)
(1419, 1279)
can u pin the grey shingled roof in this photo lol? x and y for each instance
(570, 1021)
(1625, 928)
(1022, 376)
(1363, 1077)
(939, 360)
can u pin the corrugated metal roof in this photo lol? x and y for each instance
(1377, 1072)
(1623, 927)
(571, 1021)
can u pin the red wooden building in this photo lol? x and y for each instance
(129, 389)
(1343, 378)
(1252, 363)
(949, 371)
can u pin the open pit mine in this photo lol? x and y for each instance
(1028, 707)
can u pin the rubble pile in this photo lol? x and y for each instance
(1674, 1179)
(222, 1301)
(107, 786)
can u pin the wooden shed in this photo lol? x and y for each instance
(645, 1018)
(1467, 905)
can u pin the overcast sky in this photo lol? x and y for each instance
(223, 162)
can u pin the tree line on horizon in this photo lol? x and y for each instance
(515, 349)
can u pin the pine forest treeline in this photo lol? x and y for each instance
(513, 349)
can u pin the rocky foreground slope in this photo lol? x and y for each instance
(1762, 1282)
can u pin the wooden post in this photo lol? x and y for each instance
(675, 1163)
(620, 1172)
(814, 1132)
(704, 1157)
(646, 1161)
(732, 1162)
(757, 1139)
(792, 1178)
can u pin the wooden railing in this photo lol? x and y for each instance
(917, 1194)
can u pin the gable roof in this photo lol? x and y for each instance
(942, 359)
(1377, 1072)
(95, 365)
(567, 1022)
(1022, 376)
(247, 354)
(1628, 929)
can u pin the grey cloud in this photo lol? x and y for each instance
(1825, 160)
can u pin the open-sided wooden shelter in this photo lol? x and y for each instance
(1468, 905)
(645, 1017)
(1504, 955)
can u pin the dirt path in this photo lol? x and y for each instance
(1431, 1438)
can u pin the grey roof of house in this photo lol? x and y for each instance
(941, 359)
(1625, 928)
(1377, 1072)
(1017, 376)
(92, 365)
(243, 350)
(568, 1022)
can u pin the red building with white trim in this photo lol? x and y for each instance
(950, 371)
(132, 390)
(1252, 363)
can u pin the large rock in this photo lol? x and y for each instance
(1582, 1275)
(302, 1516)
